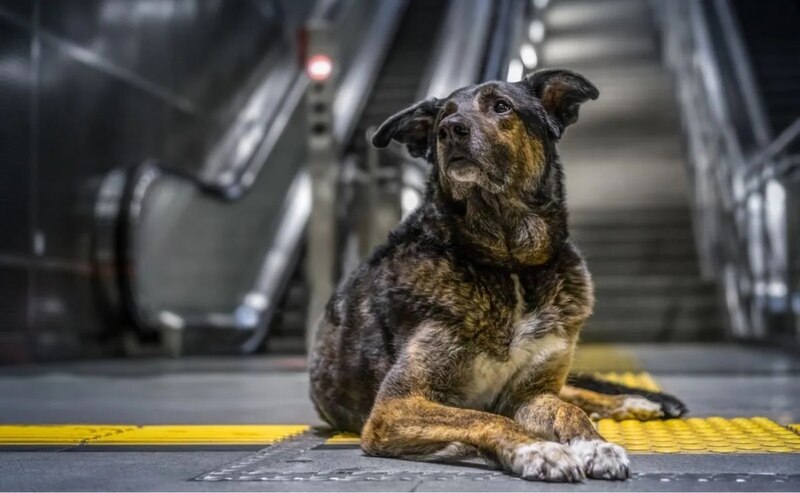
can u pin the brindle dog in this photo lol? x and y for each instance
(456, 336)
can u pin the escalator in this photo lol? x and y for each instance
(402, 75)
(195, 255)
(212, 262)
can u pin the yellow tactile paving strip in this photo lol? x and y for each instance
(202, 434)
(639, 380)
(51, 435)
(57, 434)
(683, 436)
(795, 427)
(343, 439)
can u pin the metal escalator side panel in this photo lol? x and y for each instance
(196, 254)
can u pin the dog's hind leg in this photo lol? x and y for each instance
(412, 426)
(618, 407)
(616, 401)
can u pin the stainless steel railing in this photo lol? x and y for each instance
(744, 180)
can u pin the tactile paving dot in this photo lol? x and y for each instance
(701, 435)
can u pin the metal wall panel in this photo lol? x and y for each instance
(15, 134)
(14, 347)
(89, 122)
(17, 7)
(112, 83)
(196, 53)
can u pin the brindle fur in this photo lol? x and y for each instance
(457, 334)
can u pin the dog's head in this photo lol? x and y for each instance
(493, 137)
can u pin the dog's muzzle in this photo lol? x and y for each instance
(463, 170)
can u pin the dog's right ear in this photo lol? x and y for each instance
(411, 127)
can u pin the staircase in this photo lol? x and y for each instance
(626, 184)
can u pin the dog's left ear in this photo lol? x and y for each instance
(562, 92)
(411, 127)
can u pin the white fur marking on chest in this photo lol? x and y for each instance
(490, 376)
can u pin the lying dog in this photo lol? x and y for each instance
(456, 336)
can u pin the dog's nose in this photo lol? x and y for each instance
(453, 129)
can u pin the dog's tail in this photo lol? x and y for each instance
(671, 406)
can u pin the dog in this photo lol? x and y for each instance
(455, 337)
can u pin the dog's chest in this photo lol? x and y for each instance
(533, 342)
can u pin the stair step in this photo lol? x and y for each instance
(606, 301)
(701, 332)
(679, 216)
(630, 235)
(643, 266)
(654, 282)
(608, 250)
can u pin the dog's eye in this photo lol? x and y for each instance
(502, 106)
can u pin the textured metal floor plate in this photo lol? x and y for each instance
(684, 436)
(750, 481)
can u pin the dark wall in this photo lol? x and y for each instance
(91, 85)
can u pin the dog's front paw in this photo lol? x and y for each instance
(601, 459)
(546, 461)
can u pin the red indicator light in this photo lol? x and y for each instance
(319, 67)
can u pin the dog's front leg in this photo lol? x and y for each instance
(413, 427)
(547, 415)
